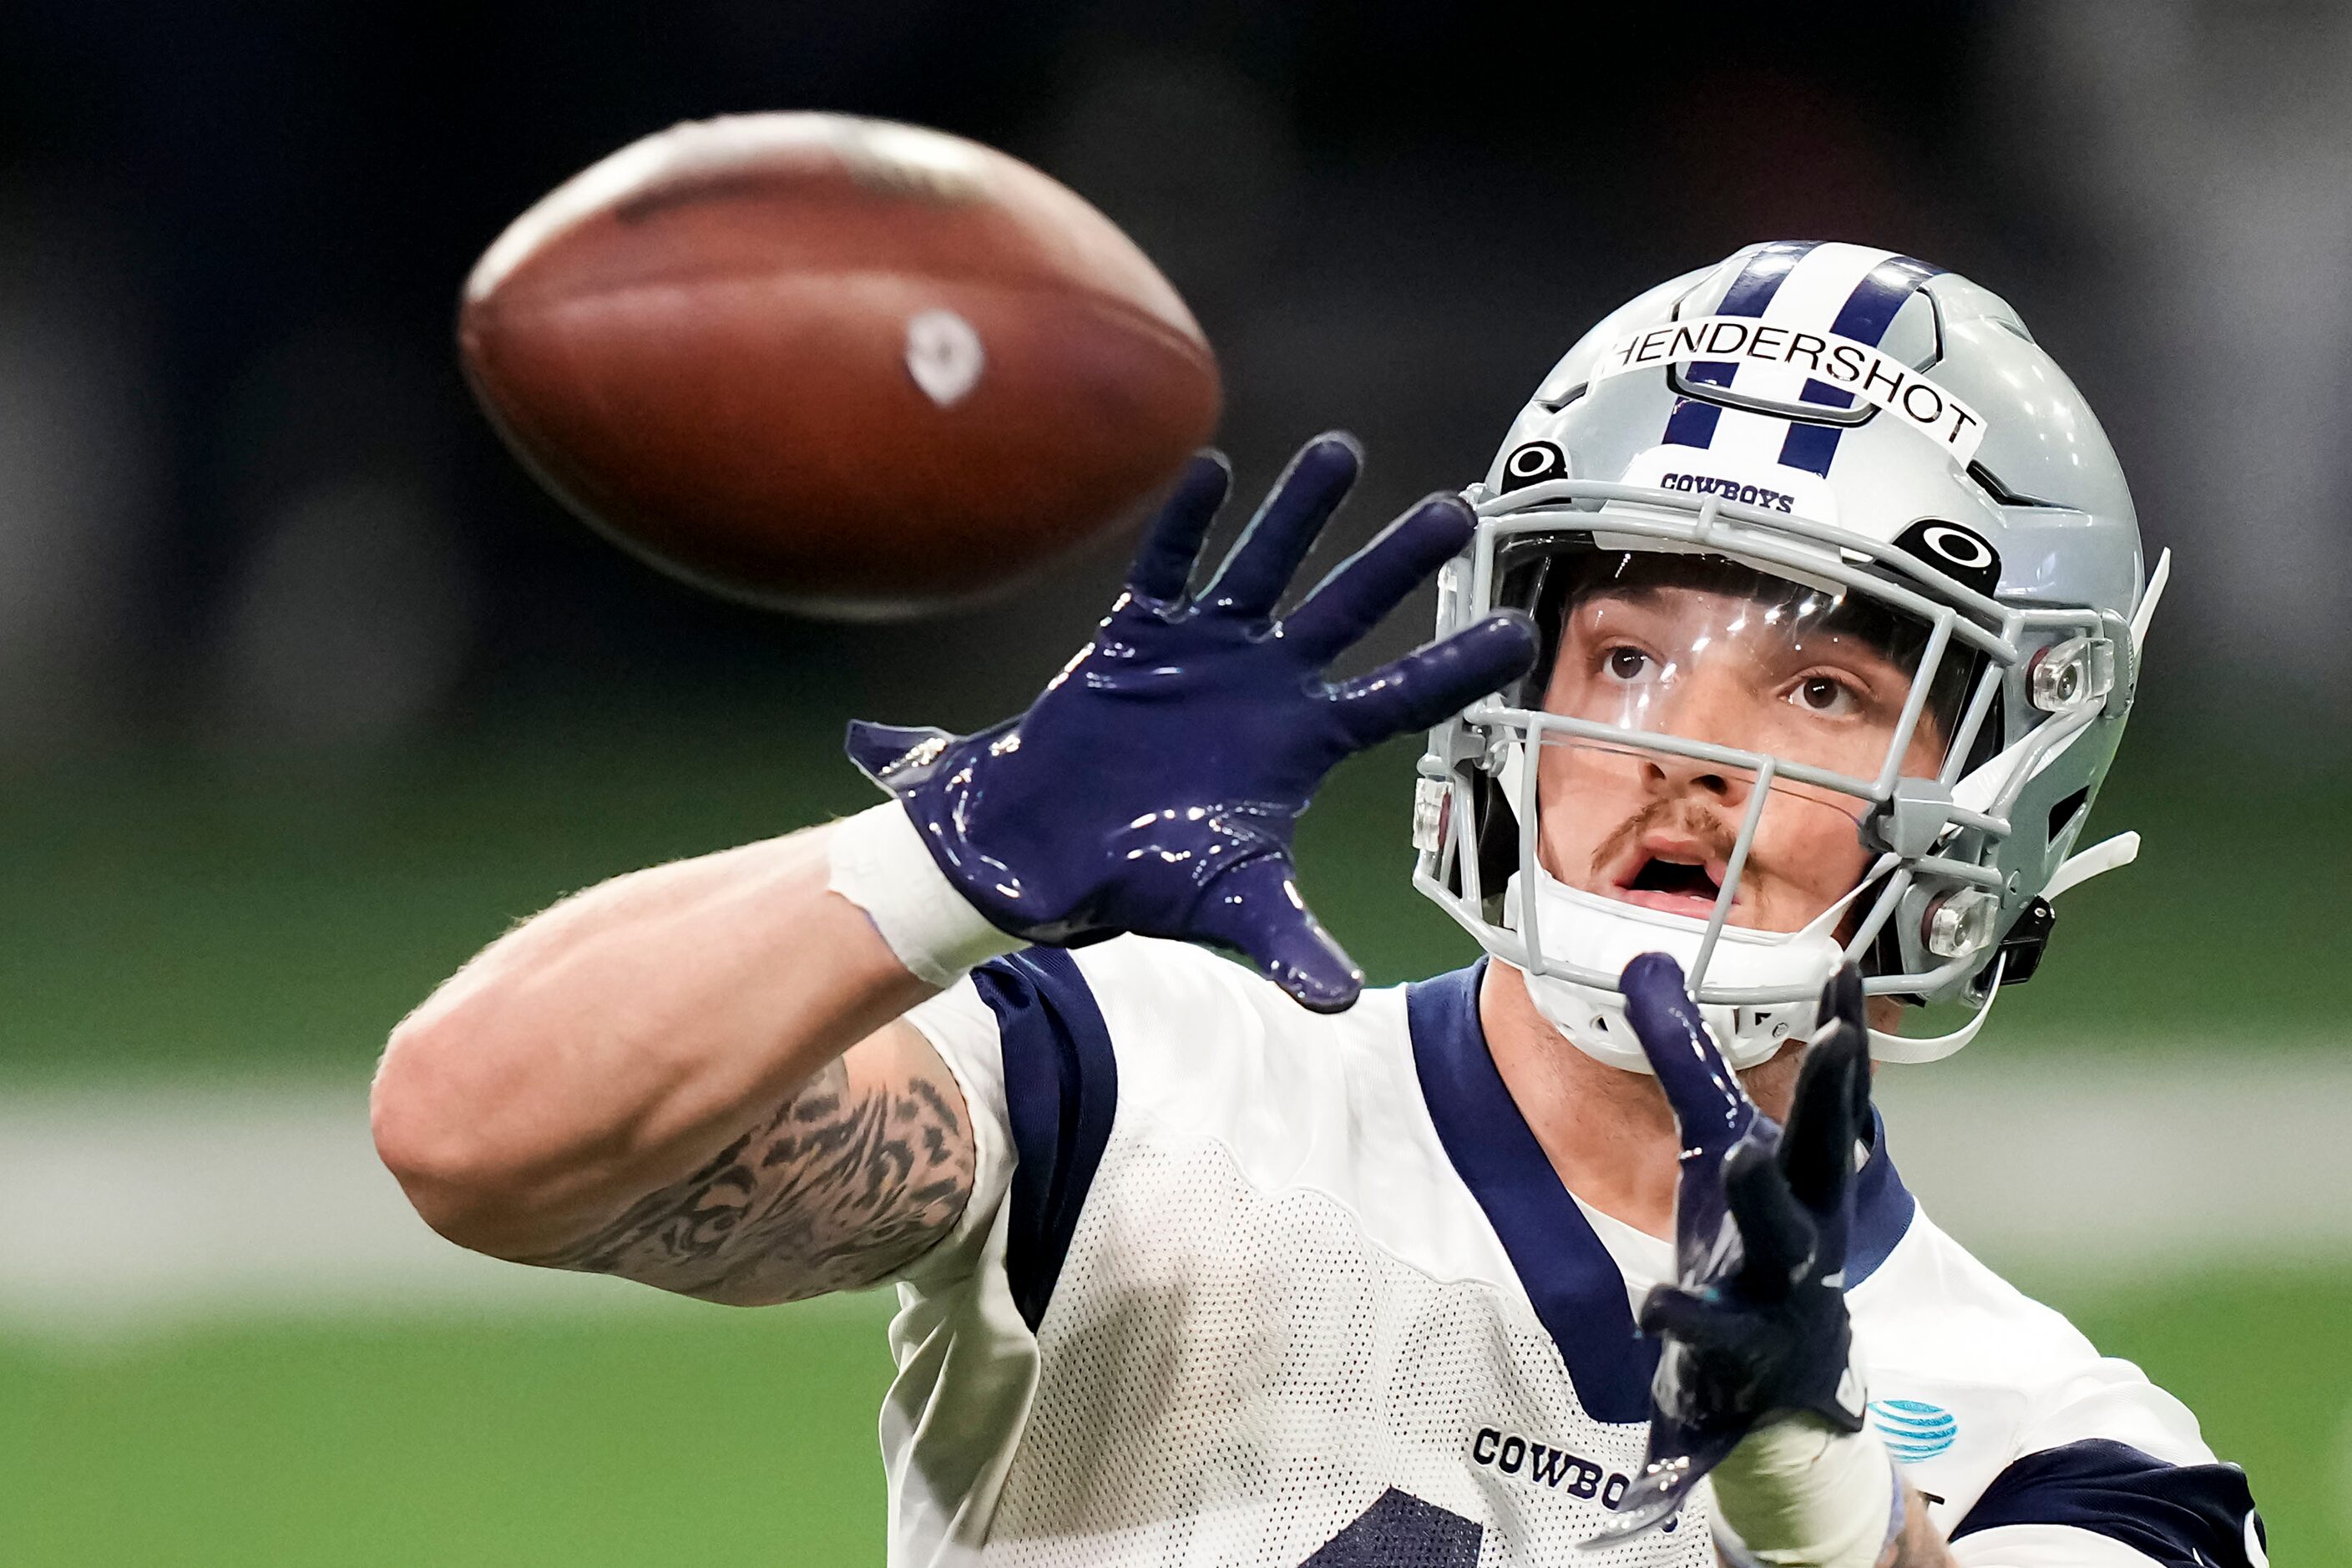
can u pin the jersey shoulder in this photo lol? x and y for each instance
(1999, 1408)
(1935, 1315)
(1933, 1301)
(1209, 1052)
(1197, 1037)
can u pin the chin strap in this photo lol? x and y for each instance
(2149, 599)
(1911, 1048)
(2106, 855)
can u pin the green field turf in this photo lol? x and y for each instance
(167, 914)
(705, 1435)
(170, 917)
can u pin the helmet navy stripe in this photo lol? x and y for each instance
(1868, 311)
(1762, 277)
(1748, 294)
(1866, 314)
(1810, 446)
(1692, 423)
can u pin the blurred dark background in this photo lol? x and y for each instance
(271, 592)
(306, 690)
(245, 498)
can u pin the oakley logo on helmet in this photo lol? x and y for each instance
(1532, 464)
(1961, 553)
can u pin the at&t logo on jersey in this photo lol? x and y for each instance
(1914, 1429)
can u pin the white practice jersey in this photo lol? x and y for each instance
(1240, 1284)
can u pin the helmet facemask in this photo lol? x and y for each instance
(1742, 747)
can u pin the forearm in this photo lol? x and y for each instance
(1798, 1493)
(1921, 1545)
(600, 1081)
(612, 1046)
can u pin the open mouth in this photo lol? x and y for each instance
(1664, 880)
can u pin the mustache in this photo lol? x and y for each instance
(1715, 836)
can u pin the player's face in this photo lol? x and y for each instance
(1785, 670)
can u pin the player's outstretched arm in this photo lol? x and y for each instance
(688, 1075)
(696, 1075)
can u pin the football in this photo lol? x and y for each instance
(846, 367)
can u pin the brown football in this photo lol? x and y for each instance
(847, 367)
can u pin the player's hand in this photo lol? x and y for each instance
(1756, 1329)
(1155, 785)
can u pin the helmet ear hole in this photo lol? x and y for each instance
(1498, 834)
(2062, 816)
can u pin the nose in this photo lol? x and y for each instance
(1707, 704)
(1689, 776)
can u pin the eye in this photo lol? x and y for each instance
(1626, 663)
(1825, 695)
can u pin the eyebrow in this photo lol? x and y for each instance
(1850, 639)
(1646, 593)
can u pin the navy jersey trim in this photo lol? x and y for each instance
(1882, 1209)
(1061, 1092)
(1574, 1283)
(1568, 1275)
(2183, 1516)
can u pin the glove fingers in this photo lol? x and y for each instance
(1698, 1321)
(1164, 565)
(1376, 579)
(1832, 1107)
(1255, 909)
(1775, 1233)
(1711, 1110)
(1276, 540)
(1433, 683)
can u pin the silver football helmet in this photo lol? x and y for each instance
(1834, 447)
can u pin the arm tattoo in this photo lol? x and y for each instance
(838, 1189)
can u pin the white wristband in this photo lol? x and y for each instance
(879, 863)
(1800, 1494)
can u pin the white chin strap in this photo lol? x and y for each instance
(1606, 934)
(2072, 872)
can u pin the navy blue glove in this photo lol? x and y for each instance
(1155, 785)
(1756, 1328)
